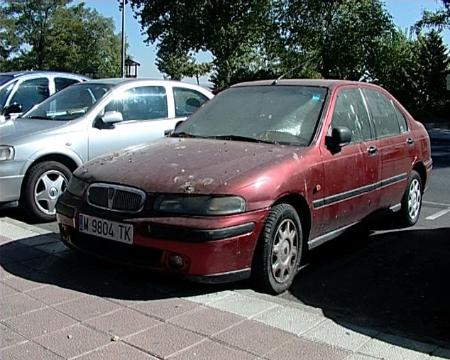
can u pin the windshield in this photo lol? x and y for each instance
(70, 103)
(275, 114)
(5, 78)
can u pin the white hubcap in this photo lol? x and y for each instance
(414, 199)
(284, 251)
(49, 186)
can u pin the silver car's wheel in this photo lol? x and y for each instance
(48, 187)
(284, 251)
(44, 183)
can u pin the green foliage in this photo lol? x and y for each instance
(55, 36)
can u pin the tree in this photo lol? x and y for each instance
(231, 30)
(439, 19)
(336, 38)
(51, 35)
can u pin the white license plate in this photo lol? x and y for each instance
(107, 229)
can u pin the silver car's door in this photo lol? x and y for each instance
(147, 111)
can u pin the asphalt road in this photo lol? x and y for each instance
(394, 280)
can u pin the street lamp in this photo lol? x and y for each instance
(122, 57)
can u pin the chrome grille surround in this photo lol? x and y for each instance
(116, 198)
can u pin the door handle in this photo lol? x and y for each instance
(372, 150)
(409, 141)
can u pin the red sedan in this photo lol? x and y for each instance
(255, 178)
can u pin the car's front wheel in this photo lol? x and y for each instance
(279, 250)
(45, 182)
(412, 200)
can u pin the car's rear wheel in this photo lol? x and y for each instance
(45, 182)
(412, 200)
(279, 250)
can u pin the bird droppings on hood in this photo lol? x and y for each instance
(180, 147)
(207, 181)
(130, 160)
(188, 187)
(173, 165)
(182, 170)
(295, 156)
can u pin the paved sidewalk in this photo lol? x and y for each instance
(56, 304)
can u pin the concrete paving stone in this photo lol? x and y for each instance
(164, 340)
(208, 349)
(6, 290)
(51, 294)
(291, 320)
(22, 284)
(357, 356)
(123, 322)
(117, 351)
(73, 341)
(165, 308)
(42, 263)
(255, 337)
(19, 252)
(337, 335)
(39, 322)
(306, 350)
(395, 348)
(53, 248)
(242, 305)
(29, 351)
(15, 305)
(25, 226)
(9, 337)
(38, 240)
(86, 307)
(4, 239)
(209, 298)
(15, 232)
(206, 320)
(3, 272)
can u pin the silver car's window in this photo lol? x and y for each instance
(276, 114)
(62, 83)
(70, 103)
(187, 101)
(141, 103)
(5, 78)
(31, 92)
(4, 93)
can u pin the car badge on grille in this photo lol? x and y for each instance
(111, 193)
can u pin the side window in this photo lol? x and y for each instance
(61, 83)
(187, 101)
(30, 93)
(350, 111)
(141, 103)
(401, 118)
(383, 113)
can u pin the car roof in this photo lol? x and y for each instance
(299, 82)
(17, 74)
(121, 81)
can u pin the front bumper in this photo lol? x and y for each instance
(11, 178)
(212, 249)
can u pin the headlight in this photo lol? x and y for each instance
(199, 205)
(6, 152)
(77, 187)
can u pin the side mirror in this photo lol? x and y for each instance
(170, 131)
(111, 117)
(340, 136)
(14, 108)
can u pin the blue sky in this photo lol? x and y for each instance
(404, 12)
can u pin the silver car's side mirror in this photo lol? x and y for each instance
(111, 117)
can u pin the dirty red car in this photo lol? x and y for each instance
(255, 178)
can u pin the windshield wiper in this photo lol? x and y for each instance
(40, 117)
(242, 138)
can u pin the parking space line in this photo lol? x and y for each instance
(438, 214)
(435, 203)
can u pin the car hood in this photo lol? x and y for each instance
(11, 131)
(173, 165)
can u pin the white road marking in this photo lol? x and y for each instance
(438, 214)
(435, 203)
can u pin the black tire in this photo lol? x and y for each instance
(38, 210)
(412, 200)
(280, 279)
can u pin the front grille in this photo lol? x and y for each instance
(116, 197)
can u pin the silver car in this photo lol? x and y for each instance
(21, 90)
(40, 150)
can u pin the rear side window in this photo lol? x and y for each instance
(31, 92)
(187, 101)
(351, 112)
(61, 83)
(383, 113)
(141, 103)
(401, 118)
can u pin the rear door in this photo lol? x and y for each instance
(349, 176)
(393, 143)
(145, 112)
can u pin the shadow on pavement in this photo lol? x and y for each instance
(69, 269)
(395, 282)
